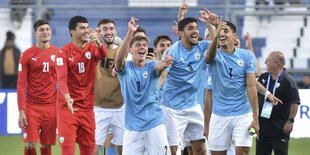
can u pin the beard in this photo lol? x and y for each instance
(192, 44)
(109, 42)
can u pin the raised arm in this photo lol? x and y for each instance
(210, 56)
(163, 64)
(182, 11)
(120, 61)
(207, 17)
(101, 52)
(248, 45)
(252, 94)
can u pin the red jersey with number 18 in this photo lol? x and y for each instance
(76, 70)
(37, 77)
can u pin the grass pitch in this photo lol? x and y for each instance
(13, 145)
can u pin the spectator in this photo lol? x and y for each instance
(9, 58)
(305, 84)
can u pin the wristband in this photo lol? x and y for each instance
(267, 93)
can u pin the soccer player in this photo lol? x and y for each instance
(144, 122)
(109, 109)
(183, 78)
(76, 69)
(233, 112)
(36, 92)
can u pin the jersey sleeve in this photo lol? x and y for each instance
(208, 83)
(100, 53)
(22, 81)
(62, 71)
(251, 64)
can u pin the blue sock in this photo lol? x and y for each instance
(111, 151)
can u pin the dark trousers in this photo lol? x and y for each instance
(279, 145)
(9, 81)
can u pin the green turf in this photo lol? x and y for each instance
(13, 145)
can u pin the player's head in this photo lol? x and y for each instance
(42, 30)
(10, 38)
(78, 27)
(161, 43)
(139, 47)
(228, 35)
(107, 30)
(140, 32)
(188, 29)
(275, 61)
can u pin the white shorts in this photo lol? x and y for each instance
(187, 123)
(109, 120)
(152, 141)
(226, 130)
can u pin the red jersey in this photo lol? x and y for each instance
(36, 82)
(76, 70)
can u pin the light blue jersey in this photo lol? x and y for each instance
(208, 83)
(228, 72)
(185, 75)
(140, 91)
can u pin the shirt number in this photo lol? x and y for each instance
(81, 67)
(138, 84)
(46, 67)
(230, 70)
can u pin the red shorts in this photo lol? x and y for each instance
(41, 119)
(76, 128)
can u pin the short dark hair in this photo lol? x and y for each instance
(105, 21)
(139, 29)
(138, 38)
(75, 20)
(185, 21)
(160, 37)
(232, 26)
(10, 35)
(38, 23)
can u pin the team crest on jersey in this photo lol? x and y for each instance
(209, 80)
(25, 135)
(145, 74)
(197, 55)
(88, 55)
(53, 57)
(19, 67)
(61, 139)
(60, 61)
(240, 62)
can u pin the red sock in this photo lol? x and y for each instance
(84, 150)
(46, 151)
(30, 152)
(67, 150)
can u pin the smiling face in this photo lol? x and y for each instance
(227, 37)
(139, 50)
(43, 33)
(108, 33)
(81, 32)
(162, 45)
(190, 33)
